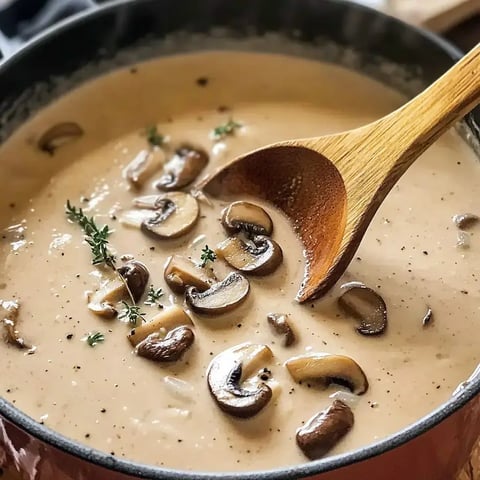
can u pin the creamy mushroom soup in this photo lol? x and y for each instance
(198, 365)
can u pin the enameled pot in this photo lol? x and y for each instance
(125, 31)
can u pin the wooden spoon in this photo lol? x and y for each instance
(330, 187)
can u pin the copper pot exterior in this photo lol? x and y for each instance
(438, 454)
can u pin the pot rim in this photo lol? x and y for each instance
(291, 472)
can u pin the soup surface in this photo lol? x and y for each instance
(109, 398)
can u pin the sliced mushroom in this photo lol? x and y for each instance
(464, 221)
(143, 166)
(9, 310)
(135, 218)
(262, 257)
(168, 349)
(136, 276)
(221, 297)
(183, 168)
(228, 371)
(328, 369)
(165, 321)
(324, 430)
(280, 325)
(246, 217)
(428, 317)
(59, 135)
(176, 214)
(180, 272)
(365, 305)
(103, 301)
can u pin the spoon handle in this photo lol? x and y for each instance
(414, 127)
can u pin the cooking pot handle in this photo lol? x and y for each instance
(53, 12)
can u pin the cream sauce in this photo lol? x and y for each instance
(107, 397)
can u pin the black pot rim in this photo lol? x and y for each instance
(72, 447)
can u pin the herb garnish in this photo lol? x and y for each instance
(208, 255)
(93, 338)
(132, 313)
(226, 129)
(153, 295)
(96, 237)
(155, 138)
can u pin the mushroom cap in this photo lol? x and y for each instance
(176, 215)
(328, 368)
(366, 305)
(220, 297)
(324, 430)
(168, 349)
(136, 276)
(280, 324)
(183, 168)
(145, 163)
(261, 258)
(229, 369)
(246, 217)
(180, 272)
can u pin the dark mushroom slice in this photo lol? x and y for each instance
(220, 297)
(180, 272)
(366, 305)
(464, 221)
(168, 349)
(59, 135)
(262, 257)
(163, 322)
(103, 302)
(9, 311)
(176, 215)
(183, 168)
(326, 369)
(246, 217)
(136, 276)
(280, 324)
(324, 430)
(228, 371)
(143, 166)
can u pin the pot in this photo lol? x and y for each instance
(114, 34)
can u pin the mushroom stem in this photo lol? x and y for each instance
(166, 320)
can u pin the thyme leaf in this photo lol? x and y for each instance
(153, 296)
(155, 139)
(208, 255)
(132, 313)
(96, 237)
(228, 128)
(94, 338)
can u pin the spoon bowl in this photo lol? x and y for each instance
(331, 186)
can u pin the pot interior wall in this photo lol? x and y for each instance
(126, 32)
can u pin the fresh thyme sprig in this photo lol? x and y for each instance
(153, 296)
(96, 237)
(155, 138)
(94, 338)
(208, 255)
(226, 129)
(132, 313)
